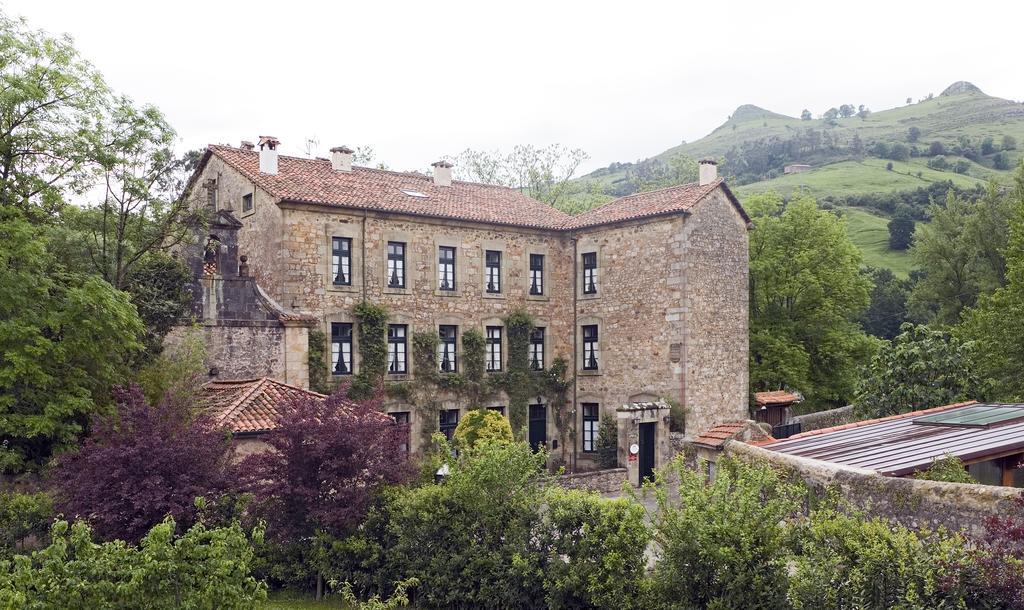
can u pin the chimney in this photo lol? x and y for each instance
(268, 154)
(247, 145)
(341, 158)
(708, 171)
(442, 173)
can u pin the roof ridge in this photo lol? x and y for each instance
(865, 422)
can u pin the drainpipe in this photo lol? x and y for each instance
(575, 326)
(363, 261)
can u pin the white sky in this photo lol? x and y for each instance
(621, 80)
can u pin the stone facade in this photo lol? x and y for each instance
(670, 307)
(597, 481)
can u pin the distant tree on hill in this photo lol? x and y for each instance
(880, 150)
(805, 115)
(846, 111)
(888, 308)
(988, 146)
(898, 151)
(910, 100)
(863, 112)
(831, 115)
(961, 166)
(888, 166)
(901, 232)
(913, 134)
(1001, 160)
(936, 148)
(1009, 143)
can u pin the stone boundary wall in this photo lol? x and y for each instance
(911, 502)
(824, 419)
(598, 481)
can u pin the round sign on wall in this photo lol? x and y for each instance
(634, 448)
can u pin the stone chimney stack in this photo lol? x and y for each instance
(442, 173)
(708, 171)
(268, 154)
(341, 158)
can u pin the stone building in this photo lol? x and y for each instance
(645, 297)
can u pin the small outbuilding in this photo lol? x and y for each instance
(773, 408)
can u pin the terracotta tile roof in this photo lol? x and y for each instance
(868, 422)
(680, 198)
(716, 437)
(314, 181)
(777, 397)
(249, 405)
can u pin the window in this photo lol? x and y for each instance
(397, 363)
(590, 347)
(493, 348)
(447, 420)
(247, 202)
(447, 358)
(341, 260)
(492, 271)
(396, 264)
(590, 273)
(402, 419)
(591, 413)
(500, 410)
(341, 348)
(446, 268)
(536, 274)
(537, 349)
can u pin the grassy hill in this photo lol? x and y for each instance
(850, 157)
(870, 232)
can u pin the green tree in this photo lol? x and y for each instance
(607, 443)
(64, 340)
(806, 293)
(1009, 143)
(901, 232)
(913, 134)
(482, 425)
(898, 151)
(988, 145)
(950, 469)
(920, 368)
(936, 148)
(50, 102)
(888, 308)
(1001, 160)
(805, 115)
(541, 173)
(847, 110)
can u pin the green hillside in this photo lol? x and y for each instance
(870, 233)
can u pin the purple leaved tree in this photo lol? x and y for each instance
(149, 462)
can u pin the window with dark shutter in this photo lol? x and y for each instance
(590, 273)
(447, 356)
(492, 271)
(536, 274)
(591, 414)
(536, 354)
(341, 348)
(590, 348)
(493, 344)
(341, 261)
(446, 268)
(397, 352)
(396, 264)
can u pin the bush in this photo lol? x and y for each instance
(23, 517)
(482, 425)
(608, 443)
(851, 562)
(595, 550)
(1001, 161)
(725, 544)
(204, 568)
(949, 469)
(939, 163)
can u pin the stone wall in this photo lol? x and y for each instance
(715, 285)
(912, 502)
(598, 481)
(236, 351)
(825, 419)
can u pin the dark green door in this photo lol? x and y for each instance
(538, 428)
(647, 434)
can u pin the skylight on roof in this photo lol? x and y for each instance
(413, 193)
(981, 416)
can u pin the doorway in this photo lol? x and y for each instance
(647, 441)
(538, 429)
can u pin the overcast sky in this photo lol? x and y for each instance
(621, 80)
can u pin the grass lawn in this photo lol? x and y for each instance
(870, 233)
(289, 600)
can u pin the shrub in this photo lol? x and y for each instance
(595, 549)
(949, 469)
(725, 544)
(204, 568)
(482, 425)
(608, 443)
(852, 562)
(23, 516)
(131, 473)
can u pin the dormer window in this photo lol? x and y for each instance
(341, 261)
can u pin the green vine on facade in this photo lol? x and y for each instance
(319, 373)
(519, 382)
(373, 349)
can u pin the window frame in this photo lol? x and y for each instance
(532, 350)
(447, 428)
(251, 199)
(444, 344)
(589, 264)
(341, 257)
(492, 271)
(398, 416)
(535, 277)
(341, 344)
(396, 263)
(590, 426)
(443, 273)
(591, 347)
(400, 355)
(491, 346)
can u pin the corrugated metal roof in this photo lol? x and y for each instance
(898, 446)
